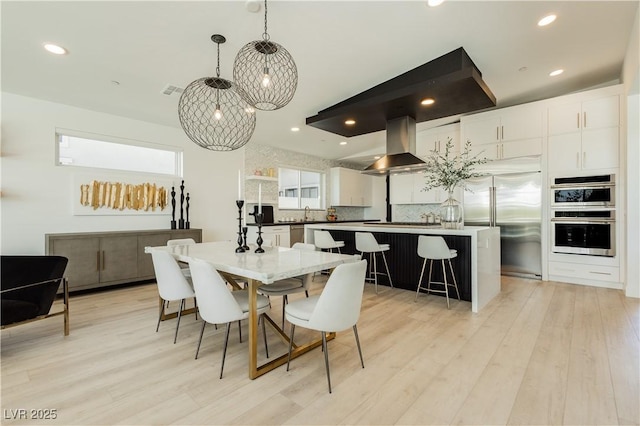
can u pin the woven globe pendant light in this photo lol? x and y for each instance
(266, 72)
(214, 114)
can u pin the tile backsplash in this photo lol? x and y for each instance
(412, 212)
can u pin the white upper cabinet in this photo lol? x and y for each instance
(436, 138)
(578, 116)
(350, 187)
(584, 135)
(408, 189)
(595, 149)
(506, 133)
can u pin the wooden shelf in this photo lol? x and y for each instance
(265, 178)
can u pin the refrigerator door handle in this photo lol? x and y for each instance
(492, 206)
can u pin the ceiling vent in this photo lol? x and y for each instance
(170, 89)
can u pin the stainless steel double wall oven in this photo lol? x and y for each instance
(583, 215)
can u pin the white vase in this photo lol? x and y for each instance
(451, 213)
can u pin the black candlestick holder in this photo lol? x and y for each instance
(259, 241)
(240, 248)
(244, 237)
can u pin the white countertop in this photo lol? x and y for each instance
(400, 229)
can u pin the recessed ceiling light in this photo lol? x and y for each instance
(556, 72)
(115, 82)
(546, 20)
(427, 101)
(295, 129)
(434, 3)
(377, 157)
(343, 143)
(350, 122)
(55, 49)
(522, 69)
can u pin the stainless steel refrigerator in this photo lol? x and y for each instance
(510, 196)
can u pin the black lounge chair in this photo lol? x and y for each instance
(29, 287)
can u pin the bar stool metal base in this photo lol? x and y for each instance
(446, 284)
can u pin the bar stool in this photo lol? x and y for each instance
(324, 241)
(367, 243)
(435, 248)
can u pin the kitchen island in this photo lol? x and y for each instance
(477, 266)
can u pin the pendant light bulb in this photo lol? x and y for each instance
(217, 113)
(266, 78)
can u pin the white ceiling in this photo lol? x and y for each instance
(340, 47)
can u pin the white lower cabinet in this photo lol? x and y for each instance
(578, 272)
(279, 236)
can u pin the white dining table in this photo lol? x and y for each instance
(258, 269)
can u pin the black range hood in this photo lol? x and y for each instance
(452, 80)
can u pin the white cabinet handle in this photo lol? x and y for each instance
(577, 120)
(502, 131)
(498, 151)
(497, 133)
(584, 119)
(600, 273)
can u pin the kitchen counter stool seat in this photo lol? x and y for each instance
(324, 241)
(367, 243)
(436, 248)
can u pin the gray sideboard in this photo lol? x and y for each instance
(101, 259)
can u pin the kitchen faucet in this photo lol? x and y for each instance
(307, 213)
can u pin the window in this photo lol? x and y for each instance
(81, 151)
(298, 189)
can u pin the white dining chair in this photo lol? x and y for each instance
(336, 309)
(289, 285)
(172, 284)
(366, 243)
(436, 248)
(219, 305)
(182, 242)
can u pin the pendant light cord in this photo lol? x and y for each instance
(218, 65)
(265, 35)
(218, 75)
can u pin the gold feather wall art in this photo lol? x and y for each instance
(123, 196)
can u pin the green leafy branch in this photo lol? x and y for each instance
(445, 171)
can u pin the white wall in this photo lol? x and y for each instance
(631, 81)
(37, 195)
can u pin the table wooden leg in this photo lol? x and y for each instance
(253, 328)
(256, 371)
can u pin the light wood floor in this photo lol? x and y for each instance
(540, 353)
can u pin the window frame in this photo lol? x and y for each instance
(178, 159)
(322, 193)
